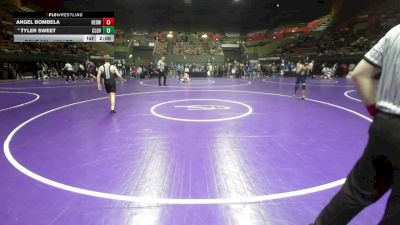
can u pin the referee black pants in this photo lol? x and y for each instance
(162, 74)
(377, 171)
(68, 74)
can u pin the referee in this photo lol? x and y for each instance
(69, 72)
(378, 169)
(161, 71)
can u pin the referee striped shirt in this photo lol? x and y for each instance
(386, 55)
(161, 65)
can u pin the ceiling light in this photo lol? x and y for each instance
(277, 5)
(204, 36)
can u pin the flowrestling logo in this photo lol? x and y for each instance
(203, 107)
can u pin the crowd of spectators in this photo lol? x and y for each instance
(5, 34)
(335, 43)
(186, 48)
(40, 70)
(215, 48)
(160, 48)
(332, 43)
(188, 44)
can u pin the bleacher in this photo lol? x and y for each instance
(325, 23)
(215, 49)
(185, 48)
(383, 7)
(160, 48)
(354, 41)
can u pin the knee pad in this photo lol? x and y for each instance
(303, 85)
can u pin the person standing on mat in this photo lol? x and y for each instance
(302, 71)
(311, 69)
(161, 71)
(108, 73)
(69, 72)
(90, 70)
(378, 169)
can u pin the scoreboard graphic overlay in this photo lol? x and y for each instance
(64, 27)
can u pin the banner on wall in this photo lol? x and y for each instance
(269, 59)
(230, 45)
(232, 35)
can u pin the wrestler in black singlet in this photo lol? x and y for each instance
(109, 79)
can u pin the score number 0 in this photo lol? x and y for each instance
(108, 21)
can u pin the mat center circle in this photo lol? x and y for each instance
(201, 110)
